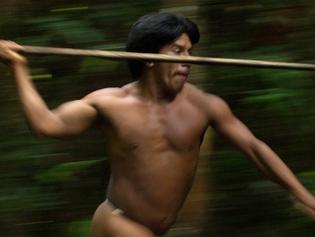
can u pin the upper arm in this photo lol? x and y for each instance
(70, 118)
(226, 123)
(74, 117)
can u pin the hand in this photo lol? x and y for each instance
(8, 55)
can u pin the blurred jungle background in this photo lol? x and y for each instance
(51, 187)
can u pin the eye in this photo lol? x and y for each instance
(176, 49)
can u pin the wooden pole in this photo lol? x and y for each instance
(167, 58)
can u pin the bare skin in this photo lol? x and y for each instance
(155, 126)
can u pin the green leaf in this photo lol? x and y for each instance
(66, 172)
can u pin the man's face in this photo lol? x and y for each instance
(172, 76)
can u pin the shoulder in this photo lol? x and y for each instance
(118, 92)
(105, 94)
(202, 98)
(111, 91)
(213, 105)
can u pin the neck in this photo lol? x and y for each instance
(151, 89)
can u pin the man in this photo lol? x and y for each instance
(155, 127)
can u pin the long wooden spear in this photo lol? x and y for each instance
(167, 58)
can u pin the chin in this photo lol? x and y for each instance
(180, 86)
(176, 89)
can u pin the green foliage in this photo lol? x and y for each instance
(65, 172)
(51, 187)
(80, 228)
(277, 105)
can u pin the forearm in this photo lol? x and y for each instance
(34, 107)
(277, 170)
(70, 119)
(264, 158)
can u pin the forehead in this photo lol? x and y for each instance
(183, 40)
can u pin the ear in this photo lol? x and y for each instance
(149, 64)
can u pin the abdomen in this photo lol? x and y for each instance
(152, 189)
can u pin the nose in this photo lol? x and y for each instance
(184, 68)
(186, 53)
(186, 65)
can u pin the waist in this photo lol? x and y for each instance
(134, 204)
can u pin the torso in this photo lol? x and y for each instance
(153, 151)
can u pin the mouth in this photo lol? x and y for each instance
(183, 78)
(183, 75)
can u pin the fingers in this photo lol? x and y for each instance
(10, 45)
(8, 52)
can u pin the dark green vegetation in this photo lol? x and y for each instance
(50, 187)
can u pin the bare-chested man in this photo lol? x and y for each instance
(155, 127)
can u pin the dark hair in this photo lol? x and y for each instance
(151, 32)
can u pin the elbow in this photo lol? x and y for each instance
(44, 131)
(255, 146)
(260, 150)
(36, 129)
(257, 143)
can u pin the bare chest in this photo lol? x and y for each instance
(157, 128)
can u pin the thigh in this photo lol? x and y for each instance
(107, 224)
